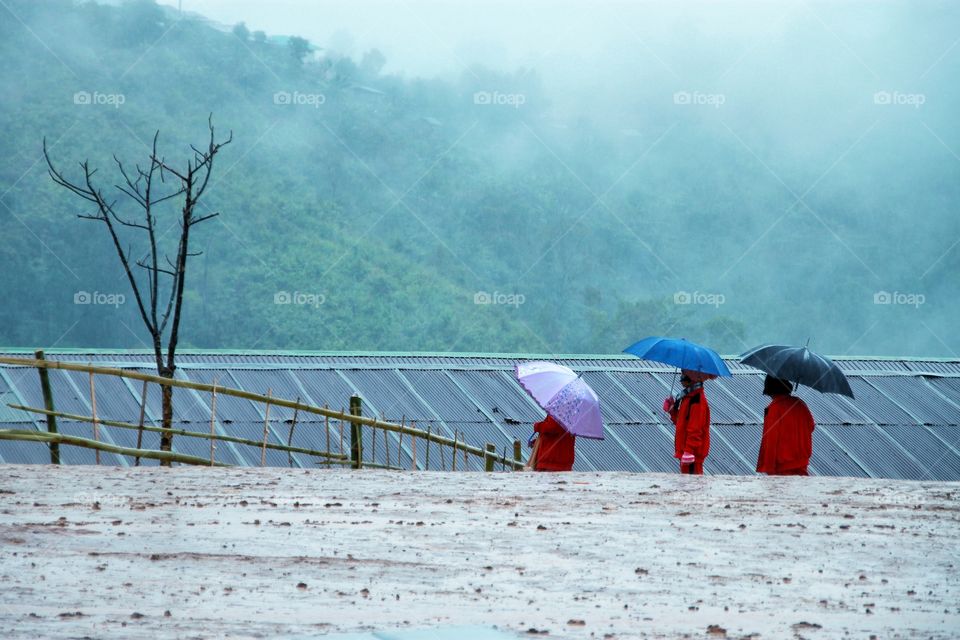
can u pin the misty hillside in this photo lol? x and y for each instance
(494, 211)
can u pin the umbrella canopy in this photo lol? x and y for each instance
(564, 395)
(679, 353)
(799, 364)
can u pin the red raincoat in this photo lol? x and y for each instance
(692, 420)
(556, 449)
(787, 441)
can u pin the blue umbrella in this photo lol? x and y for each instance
(680, 353)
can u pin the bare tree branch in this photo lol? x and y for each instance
(191, 182)
(206, 217)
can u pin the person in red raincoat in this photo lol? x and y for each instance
(787, 441)
(690, 414)
(554, 446)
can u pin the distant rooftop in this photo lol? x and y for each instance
(904, 423)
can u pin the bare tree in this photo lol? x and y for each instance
(160, 301)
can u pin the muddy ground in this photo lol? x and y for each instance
(203, 553)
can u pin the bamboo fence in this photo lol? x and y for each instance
(487, 455)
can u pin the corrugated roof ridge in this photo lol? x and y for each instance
(417, 354)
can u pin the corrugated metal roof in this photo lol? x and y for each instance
(745, 390)
(448, 400)
(916, 397)
(744, 439)
(934, 366)
(949, 435)
(725, 459)
(830, 458)
(647, 390)
(498, 395)
(875, 452)
(829, 408)
(8, 397)
(79, 455)
(650, 443)
(389, 393)
(948, 387)
(18, 452)
(325, 387)
(877, 406)
(727, 406)
(906, 415)
(617, 406)
(935, 458)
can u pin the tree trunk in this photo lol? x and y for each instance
(166, 438)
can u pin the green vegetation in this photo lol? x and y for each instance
(381, 205)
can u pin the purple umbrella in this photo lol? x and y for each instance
(564, 395)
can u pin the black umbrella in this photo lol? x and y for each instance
(799, 364)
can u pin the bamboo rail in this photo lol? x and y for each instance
(76, 441)
(181, 432)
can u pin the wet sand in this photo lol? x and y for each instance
(260, 553)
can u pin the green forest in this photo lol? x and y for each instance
(365, 210)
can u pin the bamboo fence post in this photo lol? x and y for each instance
(356, 435)
(503, 459)
(266, 427)
(340, 427)
(143, 410)
(386, 446)
(293, 425)
(93, 406)
(532, 460)
(413, 447)
(400, 444)
(213, 417)
(490, 458)
(517, 454)
(454, 457)
(426, 464)
(48, 403)
(373, 438)
(326, 429)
